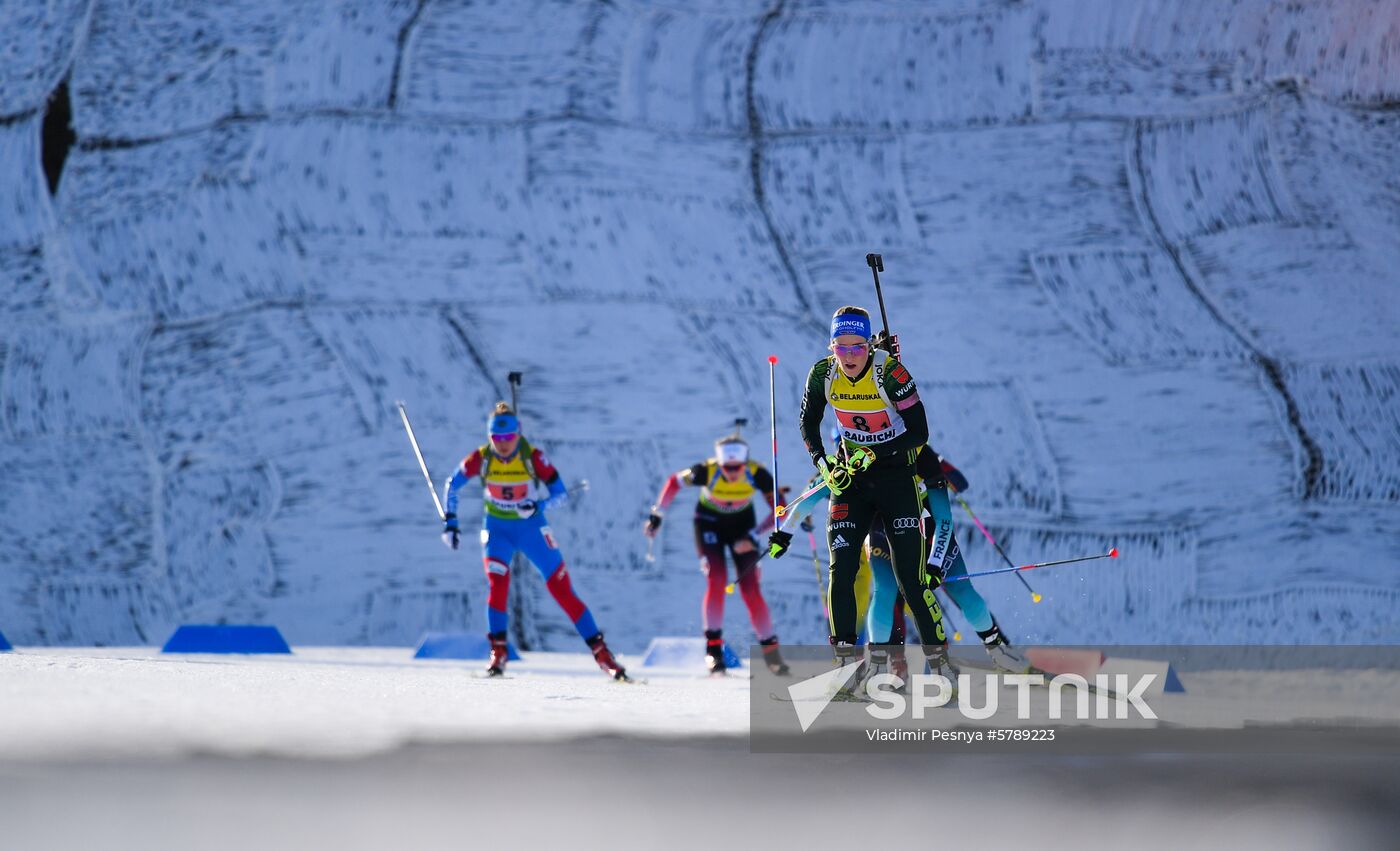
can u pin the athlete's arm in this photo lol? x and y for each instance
(927, 467)
(794, 514)
(813, 408)
(553, 482)
(899, 386)
(470, 466)
(934, 468)
(674, 483)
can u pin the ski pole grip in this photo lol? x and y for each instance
(875, 261)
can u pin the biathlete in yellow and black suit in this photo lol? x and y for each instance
(725, 520)
(878, 411)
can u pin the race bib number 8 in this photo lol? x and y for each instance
(864, 421)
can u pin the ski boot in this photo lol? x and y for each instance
(899, 666)
(883, 660)
(848, 653)
(772, 658)
(603, 656)
(1005, 658)
(714, 653)
(876, 663)
(499, 652)
(938, 664)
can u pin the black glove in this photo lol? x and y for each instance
(935, 575)
(778, 543)
(653, 523)
(451, 535)
(954, 476)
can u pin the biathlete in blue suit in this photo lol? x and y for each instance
(510, 468)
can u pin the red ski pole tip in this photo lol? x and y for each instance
(1113, 553)
(772, 358)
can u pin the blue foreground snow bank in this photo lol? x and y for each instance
(226, 638)
(458, 645)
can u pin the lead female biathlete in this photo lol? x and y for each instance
(879, 413)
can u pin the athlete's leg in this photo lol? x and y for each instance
(710, 549)
(879, 620)
(497, 549)
(848, 522)
(863, 590)
(537, 542)
(898, 631)
(963, 595)
(746, 566)
(901, 510)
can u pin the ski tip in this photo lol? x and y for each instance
(772, 358)
(1113, 553)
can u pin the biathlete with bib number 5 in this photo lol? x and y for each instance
(509, 468)
(725, 521)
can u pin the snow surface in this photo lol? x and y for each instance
(133, 703)
(334, 702)
(363, 747)
(1143, 255)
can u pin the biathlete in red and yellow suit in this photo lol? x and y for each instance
(509, 466)
(725, 520)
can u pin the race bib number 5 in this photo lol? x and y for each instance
(507, 493)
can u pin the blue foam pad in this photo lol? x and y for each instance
(1173, 681)
(4, 645)
(458, 645)
(226, 638)
(682, 652)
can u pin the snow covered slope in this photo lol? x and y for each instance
(1142, 253)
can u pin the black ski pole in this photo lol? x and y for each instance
(877, 265)
(513, 378)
